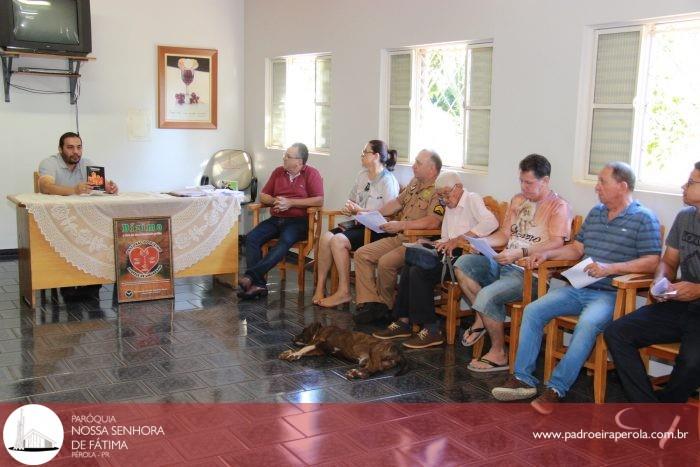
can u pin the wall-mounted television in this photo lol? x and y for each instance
(51, 26)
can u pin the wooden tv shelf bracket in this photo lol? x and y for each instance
(72, 73)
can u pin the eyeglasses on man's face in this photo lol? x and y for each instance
(690, 183)
(288, 156)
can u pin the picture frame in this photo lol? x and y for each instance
(143, 259)
(187, 87)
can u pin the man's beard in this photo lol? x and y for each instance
(68, 160)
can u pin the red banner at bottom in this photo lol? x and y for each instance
(367, 434)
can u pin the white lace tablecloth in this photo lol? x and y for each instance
(79, 228)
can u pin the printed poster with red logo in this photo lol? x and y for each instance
(143, 259)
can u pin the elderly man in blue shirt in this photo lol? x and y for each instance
(621, 237)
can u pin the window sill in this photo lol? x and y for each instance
(311, 151)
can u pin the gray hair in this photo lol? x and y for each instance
(448, 180)
(622, 172)
(434, 158)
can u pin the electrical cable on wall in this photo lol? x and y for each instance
(77, 96)
(46, 91)
(37, 91)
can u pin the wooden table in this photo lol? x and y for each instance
(41, 267)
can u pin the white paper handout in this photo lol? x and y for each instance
(482, 246)
(660, 288)
(372, 220)
(578, 277)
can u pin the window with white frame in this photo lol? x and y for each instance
(299, 102)
(439, 97)
(645, 102)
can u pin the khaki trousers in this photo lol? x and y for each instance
(387, 257)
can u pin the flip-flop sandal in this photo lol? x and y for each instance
(465, 338)
(490, 369)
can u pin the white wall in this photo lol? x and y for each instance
(537, 61)
(125, 35)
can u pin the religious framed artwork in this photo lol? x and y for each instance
(187, 87)
(143, 259)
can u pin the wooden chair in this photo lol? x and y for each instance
(304, 247)
(450, 292)
(628, 286)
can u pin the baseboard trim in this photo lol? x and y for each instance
(9, 254)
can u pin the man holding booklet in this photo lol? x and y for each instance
(674, 317)
(538, 219)
(416, 207)
(66, 173)
(621, 237)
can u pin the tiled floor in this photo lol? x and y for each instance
(205, 346)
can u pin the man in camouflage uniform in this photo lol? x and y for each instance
(417, 207)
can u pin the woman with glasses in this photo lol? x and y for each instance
(374, 186)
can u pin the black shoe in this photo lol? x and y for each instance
(254, 293)
(372, 312)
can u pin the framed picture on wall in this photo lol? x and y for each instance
(187, 85)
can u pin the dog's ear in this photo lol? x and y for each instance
(307, 334)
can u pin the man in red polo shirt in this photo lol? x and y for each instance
(291, 189)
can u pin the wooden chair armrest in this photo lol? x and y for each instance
(414, 234)
(256, 206)
(422, 232)
(315, 225)
(559, 264)
(331, 212)
(633, 281)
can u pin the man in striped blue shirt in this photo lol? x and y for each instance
(621, 237)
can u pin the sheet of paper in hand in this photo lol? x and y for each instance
(660, 288)
(96, 177)
(372, 220)
(579, 278)
(482, 246)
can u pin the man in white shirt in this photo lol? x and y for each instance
(465, 216)
(65, 173)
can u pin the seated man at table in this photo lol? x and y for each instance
(621, 237)
(65, 173)
(291, 189)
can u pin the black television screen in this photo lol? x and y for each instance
(54, 21)
(58, 26)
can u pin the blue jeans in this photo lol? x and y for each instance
(289, 230)
(499, 284)
(595, 310)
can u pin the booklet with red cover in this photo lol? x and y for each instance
(96, 177)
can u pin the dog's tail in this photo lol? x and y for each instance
(403, 365)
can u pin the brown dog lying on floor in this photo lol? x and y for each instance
(372, 354)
